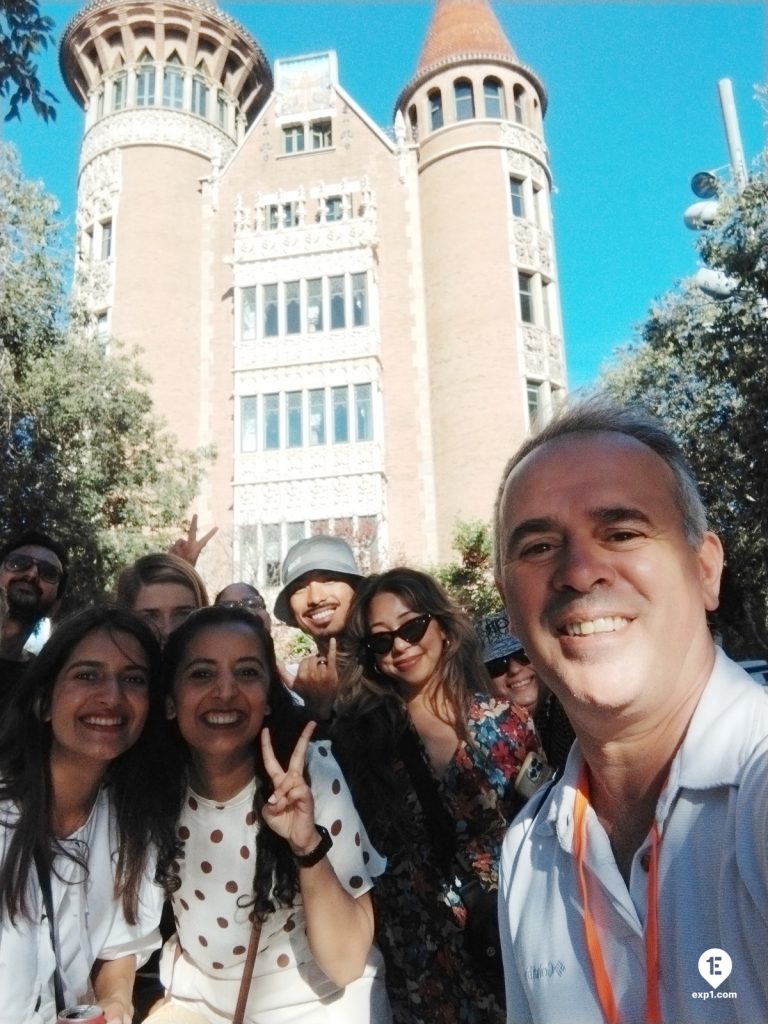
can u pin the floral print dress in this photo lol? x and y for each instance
(431, 979)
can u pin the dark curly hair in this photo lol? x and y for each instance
(142, 812)
(275, 880)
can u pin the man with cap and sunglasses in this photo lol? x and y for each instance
(319, 577)
(33, 576)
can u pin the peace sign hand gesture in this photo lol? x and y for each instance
(290, 811)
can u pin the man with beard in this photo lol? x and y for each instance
(33, 577)
(320, 577)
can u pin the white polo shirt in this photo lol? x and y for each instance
(713, 882)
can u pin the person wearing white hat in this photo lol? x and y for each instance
(319, 577)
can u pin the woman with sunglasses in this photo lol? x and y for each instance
(432, 761)
(78, 909)
(513, 678)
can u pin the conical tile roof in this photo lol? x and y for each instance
(461, 29)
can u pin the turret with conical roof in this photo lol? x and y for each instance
(475, 114)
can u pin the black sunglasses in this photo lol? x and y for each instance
(254, 603)
(411, 631)
(499, 666)
(45, 570)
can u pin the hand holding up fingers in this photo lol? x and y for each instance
(189, 547)
(290, 810)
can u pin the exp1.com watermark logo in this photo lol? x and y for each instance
(715, 967)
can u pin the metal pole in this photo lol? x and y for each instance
(732, 133)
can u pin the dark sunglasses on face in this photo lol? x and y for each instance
(499, 666)
(254, 603)
(21, 563)
(411, 631)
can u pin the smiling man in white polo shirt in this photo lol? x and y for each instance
(636, 890)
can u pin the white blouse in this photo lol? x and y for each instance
(203, 964)
(88, 917)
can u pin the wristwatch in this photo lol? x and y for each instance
(308, 860)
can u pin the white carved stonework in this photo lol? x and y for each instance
(556, 360)
(517, 136)
(158, 127)
(308, 463)
(93, 283)
(99, 183)
(535, 352)
(310, 353)
(533, 247)
(329, 238)
(291, 267)
(311, 498)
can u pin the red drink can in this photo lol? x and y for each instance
(91, 1013)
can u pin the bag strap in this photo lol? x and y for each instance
(44, 878)
(245, 981)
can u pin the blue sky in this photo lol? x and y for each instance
(633, 113)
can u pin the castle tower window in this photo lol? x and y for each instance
(413, 120)
(173, 83)
(293, 411)
(145, 81)
(271, 422)
(334, 208)
(360, 300)
(293, 138)
(435, 109)
(199, 96)
(292, 307)
(338, 313)
(525, 282)
(464, 98)
(534, 397)
(517, 98)
(119, 88)
(363, 413)
(106, 239)
(493, 94)
(517, 197)
(272, 559)
(270, 311)
(340, 399)
(248, 314)
(317, 416)
(223, 109)
(321, 135)
(248, 423)
(315, 304)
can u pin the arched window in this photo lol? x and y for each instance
(493, 93)
(145, 81)
(517, 95)
(413, 121)
(173, 83)
(200, 91)
(464, 99)
(435, 109)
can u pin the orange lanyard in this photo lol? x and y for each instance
(594, 948)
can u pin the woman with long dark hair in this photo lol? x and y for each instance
(432, 761)
(272, 881)
(78, 823)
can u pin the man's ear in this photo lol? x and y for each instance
(170, 708)
(711, 559)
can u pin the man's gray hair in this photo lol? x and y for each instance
(599, 414)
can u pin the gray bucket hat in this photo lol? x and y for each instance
(494, 636)
(330, 555)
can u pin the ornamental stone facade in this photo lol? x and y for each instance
(360, 321)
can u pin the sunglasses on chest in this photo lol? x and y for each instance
(411, 631)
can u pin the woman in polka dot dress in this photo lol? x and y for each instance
(265, 834)
(432, 761)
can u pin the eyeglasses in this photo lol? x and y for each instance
(499, 666)
(411, 631)
(47, 571)
(254, 603)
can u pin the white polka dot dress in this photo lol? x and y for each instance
(202, 966)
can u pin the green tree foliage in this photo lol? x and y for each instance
(83, 455)
(470, 579)
(24, 33)
(701, 365)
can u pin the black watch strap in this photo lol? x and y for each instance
(308, 860)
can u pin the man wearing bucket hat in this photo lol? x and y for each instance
(319, 577)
